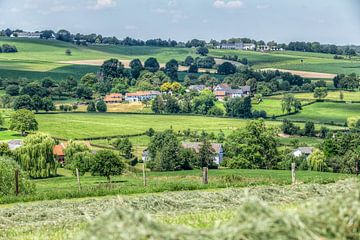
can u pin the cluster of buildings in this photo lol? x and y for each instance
(29, 35)
(248, 47)
(223, 91)
(131, 97)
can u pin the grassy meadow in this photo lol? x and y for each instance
(327, 112)
(332, 95)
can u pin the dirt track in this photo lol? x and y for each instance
(304, 74)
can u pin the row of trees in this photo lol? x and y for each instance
(349, 82)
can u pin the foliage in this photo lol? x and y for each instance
(255, 144)
(78, 156)
(7, 178)
(151, 64)
(101, 106)
(289, 103)
(124, 146)
(353, 122)
(91, 107)
(316, 160)
(36, 156)
(226, 68)
(204, 102)
(239, 107)
(309, 129)
(290, 128)
(203, 51)
(23, 102)
(171, 69)
(23, 121)
(320, 92)
(107, 163)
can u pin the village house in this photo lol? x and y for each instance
(302, 151)
(113, 98)
(59, 153)
(233, 46)
(224, 90)
(249, 46)
(217, 147)
(26, 34)
(141, 96)
(196, 88)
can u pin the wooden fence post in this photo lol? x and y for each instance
(17, 182)
(78, 179)
(144, 174)
(293, 176)
(357, 166)
(205, 175)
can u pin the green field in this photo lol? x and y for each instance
(327, 112)
(272, 107)
(39, 58)
(332, 95)
(86, 125)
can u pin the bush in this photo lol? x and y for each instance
(101, 106)
(7, 178)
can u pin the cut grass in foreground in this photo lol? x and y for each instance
(65, 186)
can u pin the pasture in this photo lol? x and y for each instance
(332, 95)
(327, 112)
(272, 106)
(87, 125)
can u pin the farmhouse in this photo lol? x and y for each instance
(217, 147)
(196, 88)
(58, 152)
(26, 34)
(249, 46)
(233, 46)
(302, 151)
(224, 90)
(113, 98)
(141, 96)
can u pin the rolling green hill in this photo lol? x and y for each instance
(39, 58)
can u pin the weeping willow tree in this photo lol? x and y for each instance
(36, 156)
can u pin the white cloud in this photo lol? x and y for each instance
(262, 6)
(101, 4)
(228, 4)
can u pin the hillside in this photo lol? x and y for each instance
(39, 58)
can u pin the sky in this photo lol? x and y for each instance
(326, 21)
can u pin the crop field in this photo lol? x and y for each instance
(40, 58)
(327, 112)
(200, 212)
(332, 95)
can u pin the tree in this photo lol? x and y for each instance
(193, 68)
(226, 68)
(136, 67)
(353, 122)
(171, 104)
(78, 156)
(101, 106)
(289, 103)
(320, 92)
(290, 128)
(23, 120)
(239, 107)
(63, 35)
(89, 80)
(12, 90)
(37, 103)
(164, 152)
(112, 68)
(106, 164)
(204, 102)
(7, 184)
(189, 60)
(152, 65)
(91, 107)
(48, 105)
(5, 100)
(316, 161)
(124, 146)
(23, 102)
(309, 129)
(36, 156)
(33, 89)
(203, 51)
(84, 92)
(46, 34)
(206, 154)
(171, 69)
(68, 52)
(158, 105)
(47, 82)
(254, 146)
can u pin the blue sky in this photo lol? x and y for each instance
(327, 21)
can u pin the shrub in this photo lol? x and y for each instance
(7, 178)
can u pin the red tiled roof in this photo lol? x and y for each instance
(58, 150)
